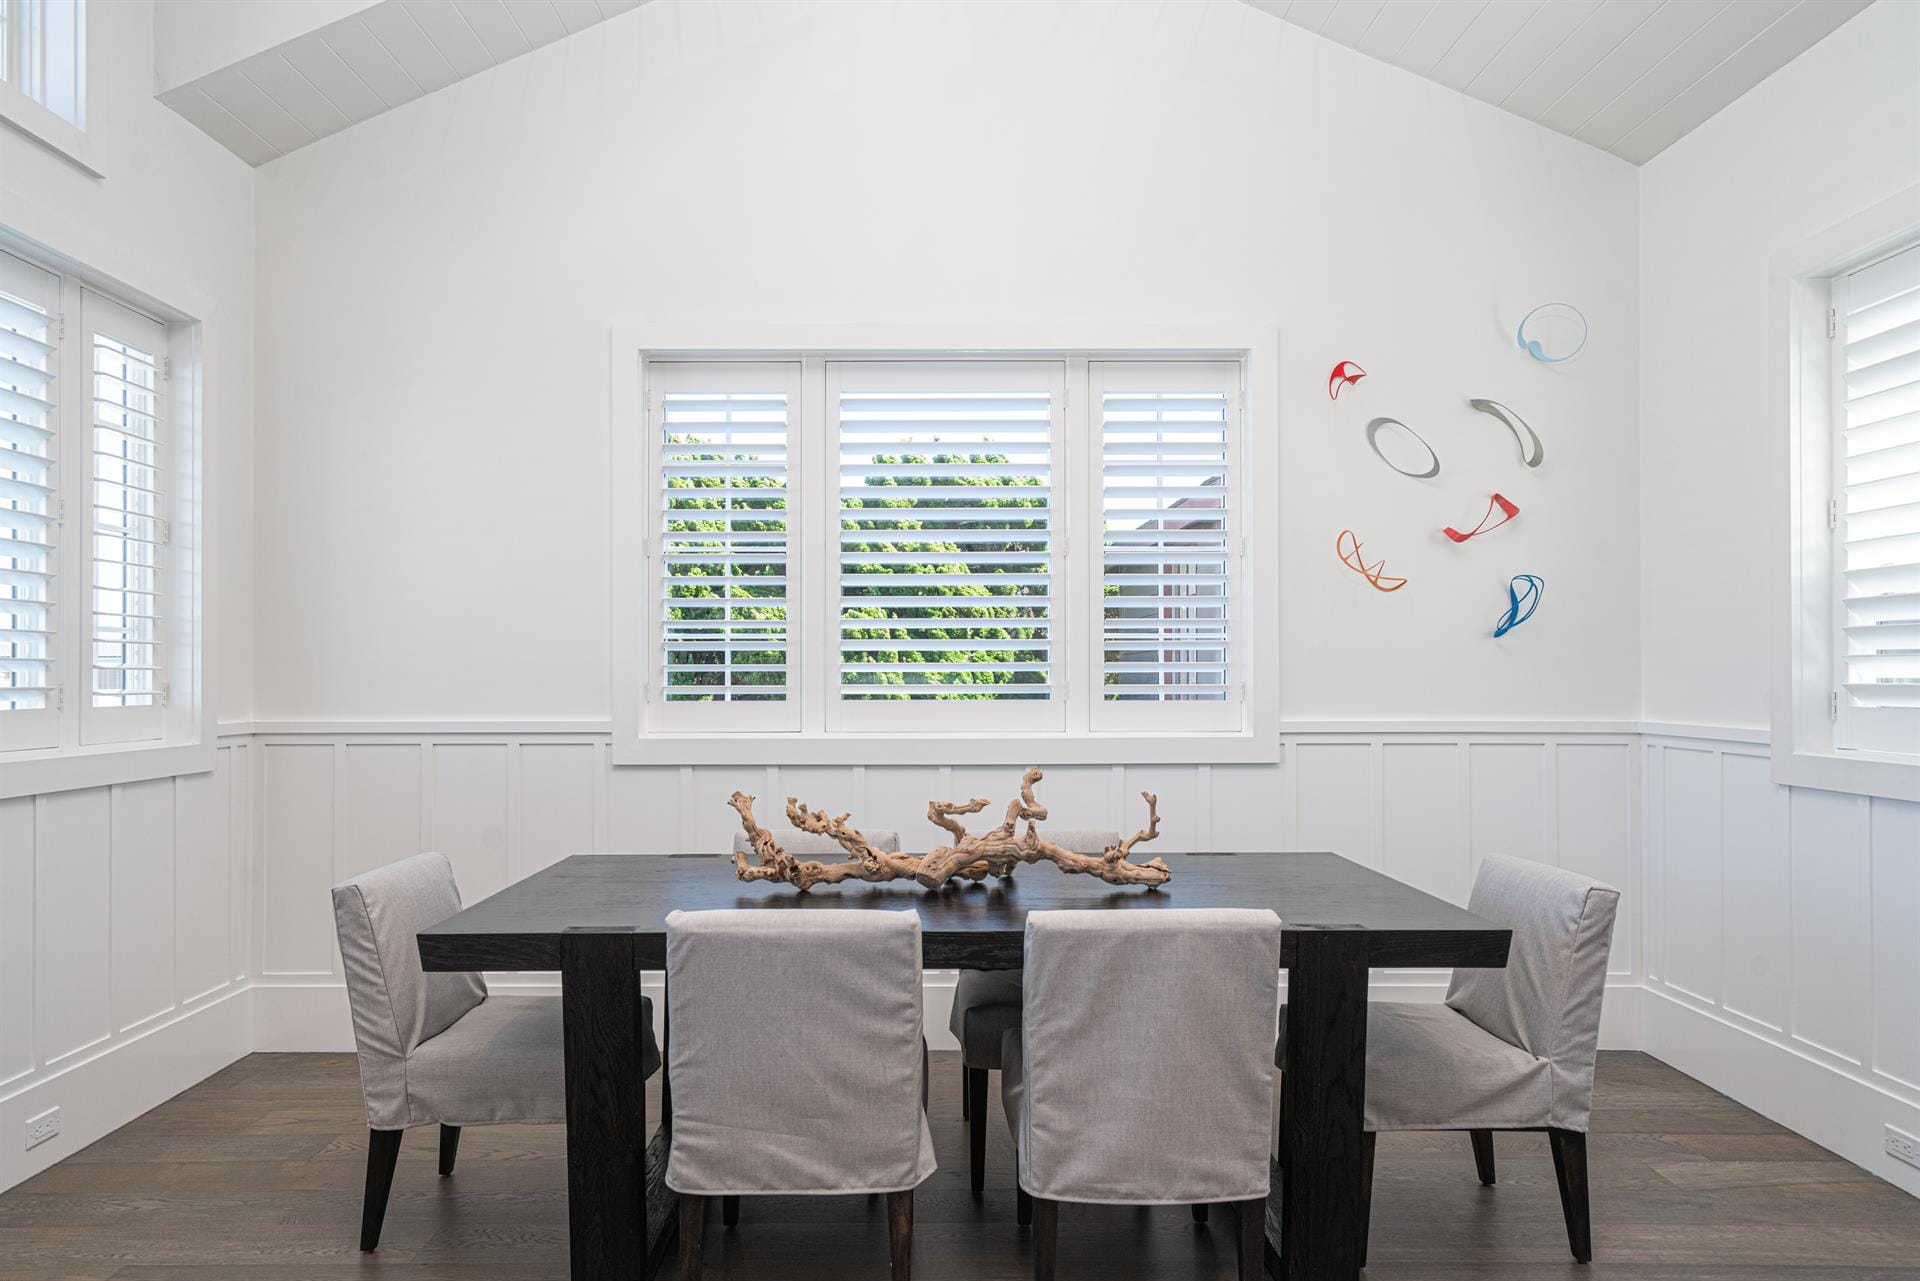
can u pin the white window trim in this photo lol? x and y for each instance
(1803, 750)
(191, 737)
(33, 119)
(1253, 344)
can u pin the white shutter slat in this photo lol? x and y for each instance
(128, 585)
(946, 525)
(724, 546)
(28, 516)
(1165, 496)
(1879, 485)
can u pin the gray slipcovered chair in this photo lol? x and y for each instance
(797, 1063)
(1142, 1074)
(436, 1048)
(986, 1006)
(1510, 1049)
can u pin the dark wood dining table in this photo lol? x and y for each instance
(601, 921)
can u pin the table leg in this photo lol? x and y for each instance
(618, 1207)
(1324, 1101)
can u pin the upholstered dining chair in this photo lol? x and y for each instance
(1141, 1075)
(436, 1048)
(797, 1064)
(1510, 1049)
(986, 1006)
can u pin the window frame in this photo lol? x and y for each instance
(1804, 746)
(31, 117)
(639, 739)
(187, 738)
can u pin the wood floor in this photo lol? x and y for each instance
(255, 1175)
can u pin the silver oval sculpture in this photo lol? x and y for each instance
(1532, 452)
(1373, 432)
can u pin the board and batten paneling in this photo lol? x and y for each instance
(1785, 916)
(125, 914)
(1425, 806)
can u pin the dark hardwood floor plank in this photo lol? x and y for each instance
(256, 1174)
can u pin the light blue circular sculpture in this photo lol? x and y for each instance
(1551, 316)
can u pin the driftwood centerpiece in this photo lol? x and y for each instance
(970, 857)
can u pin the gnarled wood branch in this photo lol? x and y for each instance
(992, 853)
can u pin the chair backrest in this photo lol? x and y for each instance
(1146, 1058)
(1547, 999)
(811, 845)
(396, 1004)
(795, 1052)
(1074, 840)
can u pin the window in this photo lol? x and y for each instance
(946, 559)
(29, 504)
(87, 482)
(43, 54)
(722, 544)
(922, 548)
(1875, 512)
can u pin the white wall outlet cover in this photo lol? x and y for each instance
(1903, 1146)
(43, 1127)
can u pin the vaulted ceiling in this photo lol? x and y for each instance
(1629, 76)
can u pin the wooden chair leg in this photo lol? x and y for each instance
(1022, 1207)
(1252, 1216)
(383, 1153)
(1483, 1154)
(729, 1211)
(1367, 1142)
(1570, 1166)
(1046, 1237)
(966, 1095)
(693, 1225)
(1200, 1212)
(449, 1148)
(900, 1233)
(977, 1127)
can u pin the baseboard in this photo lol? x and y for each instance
(100, 1093)
(1842, 1113)
(313, 1018)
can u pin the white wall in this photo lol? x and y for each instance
(1781, 926)
(434, 387)
(122, 910)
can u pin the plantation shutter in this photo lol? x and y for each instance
(948, 520)
(1169, 544)
(128, 524)
(1878, 508)
(724, 584)
(29, 507)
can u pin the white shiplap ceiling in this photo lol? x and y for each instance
(283, 98)
(1629, 76)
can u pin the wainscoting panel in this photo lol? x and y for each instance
(124, 914)
(502, 805)
(1784, 966)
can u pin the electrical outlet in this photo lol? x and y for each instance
(47, 1124)
(1903, 1146)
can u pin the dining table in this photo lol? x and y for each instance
(600, 920)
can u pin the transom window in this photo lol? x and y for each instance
(1041, 546)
